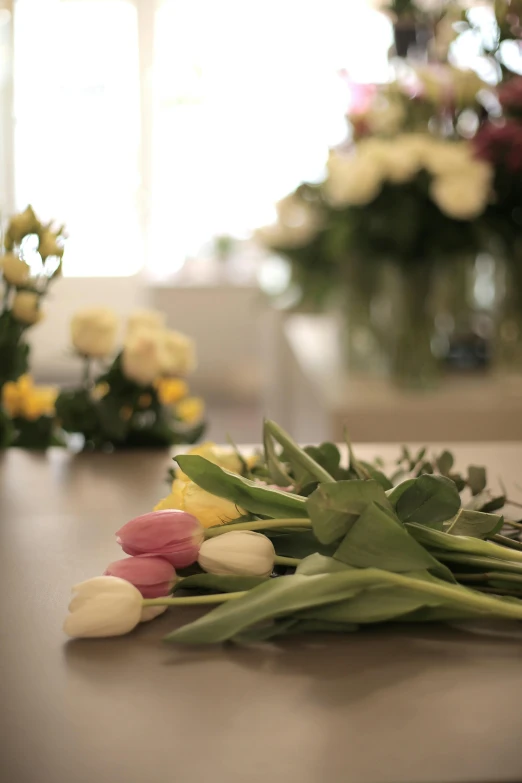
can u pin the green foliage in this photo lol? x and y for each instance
(14, 353)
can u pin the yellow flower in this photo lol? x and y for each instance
(26, 307)
(171, 390)
(126, 412)
(225, 458)
(191, 410)
(100, 391)
(209, 509)
(22, 398)
(145, 400)
(14, 269)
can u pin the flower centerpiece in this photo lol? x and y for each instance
(499, 142)
(140, 397)
(301, 542)
(32, 260)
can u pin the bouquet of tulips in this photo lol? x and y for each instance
(140, 398)
(32, 259)
(295, 542)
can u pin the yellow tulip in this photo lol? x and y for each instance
(191, 410)
(209, 509)
(225, 458)
(171, 390)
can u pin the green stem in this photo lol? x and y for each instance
(7, 291)
(193, 600)
(288, 561)
(477, 561)
(261, 524)
(507, 542)
(87, 366)
(489, 576)
(299, 456)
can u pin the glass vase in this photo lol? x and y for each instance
(414, 364)
(507, 350)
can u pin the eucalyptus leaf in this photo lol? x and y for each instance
(333, 508)
(445, 462)
(244, 493)
(429, 500)
(476, 479)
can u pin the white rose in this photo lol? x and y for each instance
(297, 224)
(240, 552)
(93, 331)
(142, 356)
(178, 354)
(400, 158)
(148, 319)
(26, 307)
(103, 606)
(353, 180)
(463, 195)
(14, 270)
(448, 157)
(48, 245)
(387, 118)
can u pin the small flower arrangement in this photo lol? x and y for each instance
(324, 548)
(32, 414)
(32, 260)
(142, 398)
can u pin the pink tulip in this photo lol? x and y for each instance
(171, 534)
(152, 576)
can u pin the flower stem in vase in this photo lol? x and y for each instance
(414, 365)
(508, 339)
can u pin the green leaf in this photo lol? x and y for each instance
(377, 475)
(294, 453)
(378, 540)
(436, 539)
(218, 584)
(476, 479)
(276, 598)
(241, 491)
(445, 463)
(320, 564)
(276, 468)
(333, 508)
(475, 523)
(298, 544)
(430, 500)
(328, 456)
(484, 501)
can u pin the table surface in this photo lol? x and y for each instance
(402, 705)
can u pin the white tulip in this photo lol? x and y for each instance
(103, 606)
(14, 270)
(354, 180)
(149, 319)
(149, 613)
(142, 357)
(178, 353)
(240, 553)
(26, 308)
(93, 331)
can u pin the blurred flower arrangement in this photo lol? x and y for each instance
(142, 398)
(32, 260)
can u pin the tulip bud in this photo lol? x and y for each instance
(239, 553)
(171, 534)
(14, 270)
(26, 308)
(152, 576)
(149, 613)
(209, 509)
(103, 606)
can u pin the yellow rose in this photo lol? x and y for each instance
(26, 307)
(23, 224)
(190, 410)
(148, 319)
(178, 354)
(209, 509)
(93, 331)
(171, 390)
(48, 245)
(225, 458)
(22, 398)
(14, 270)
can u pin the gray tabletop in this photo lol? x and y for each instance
(418, 705)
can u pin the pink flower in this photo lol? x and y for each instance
(174, 535)
(501, 145)
(152, 576)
